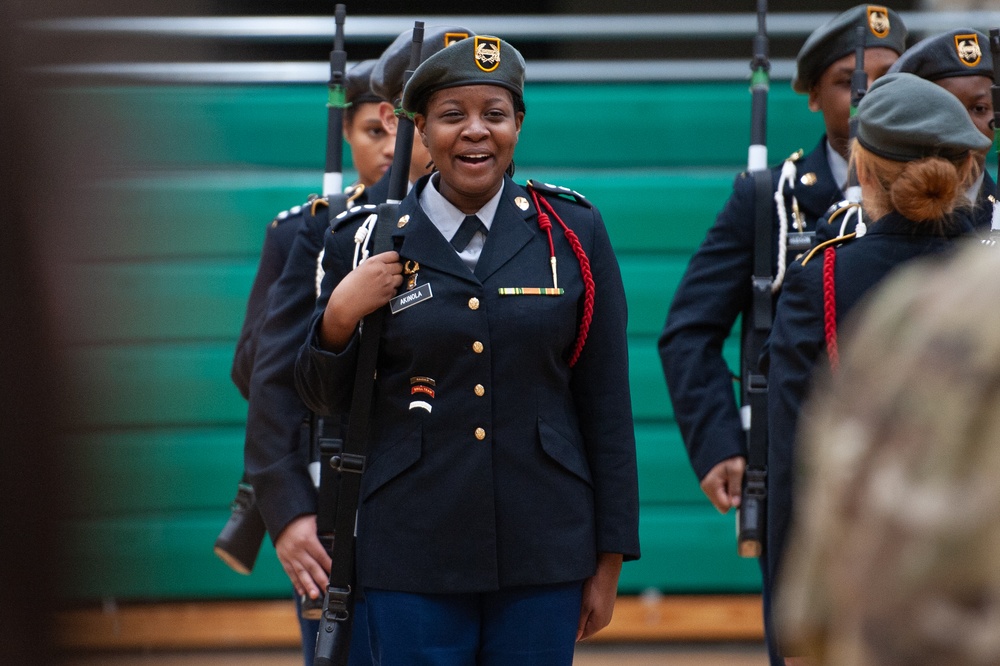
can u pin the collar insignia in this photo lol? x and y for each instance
(968, 50)
(878, 20)
(521, 203)
(487, 53)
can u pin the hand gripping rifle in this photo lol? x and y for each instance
(334, 638)
(325, 438)
(750, 518)
(240, 539)
(994, 238)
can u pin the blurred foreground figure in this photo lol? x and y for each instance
(894, 559)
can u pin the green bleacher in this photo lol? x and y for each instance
(156, 269)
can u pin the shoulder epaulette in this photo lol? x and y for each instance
(350, 214)
(825, 244)
(559, 191)
(284, 215)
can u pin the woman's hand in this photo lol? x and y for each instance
(303, 557)
(599, 593)
(362, 291)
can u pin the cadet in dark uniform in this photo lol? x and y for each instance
(960, 62)
(500, 494)
(716, 288)
(277, 459)
(916, 149)
(280, 234)
(280, 243)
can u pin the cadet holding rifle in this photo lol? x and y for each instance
(960, 62)
(915, 153)
(276, 456)
(499, 496)
(717, 285)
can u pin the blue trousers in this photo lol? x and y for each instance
(361, 654)
(526, 626)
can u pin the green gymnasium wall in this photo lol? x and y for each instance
(155, 261)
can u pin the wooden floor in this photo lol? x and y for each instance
(724, 630)
(724, 654)
(261, 625)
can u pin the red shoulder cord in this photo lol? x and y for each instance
(545, 224)
(830, 307)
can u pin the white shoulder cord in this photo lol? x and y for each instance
(363, 239)
(854, 196)
(319, 270)
(787, 178)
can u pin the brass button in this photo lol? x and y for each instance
(473, 303)
(480, 390)
(477, 347)
(480, 434)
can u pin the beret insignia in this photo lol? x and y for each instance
(878, 20)
(487, 53)
(968, 50)
(452, 37)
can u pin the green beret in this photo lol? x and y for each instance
(838, 37)
(357, 83)
(387, 76)
(962, 52)
(470, 62)
(904, 118)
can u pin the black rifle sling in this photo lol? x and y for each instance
(327, 432)
(761, 317)
(351, 461)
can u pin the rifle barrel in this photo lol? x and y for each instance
(333, 176)
(759, 86)
(400, 174)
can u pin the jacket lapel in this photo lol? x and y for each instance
(816, 198)
(420, 240)
(511, 230)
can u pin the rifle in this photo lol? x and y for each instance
(239, 541)
(994, 238)
(750, 518)
(334, 637)
(859, 86)
(325, 439)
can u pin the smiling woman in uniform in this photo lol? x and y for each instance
(500, 496)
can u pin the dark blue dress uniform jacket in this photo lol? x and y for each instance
(715, 289)
(798, 341)
(552, 480)
(277, 244)
(277, 448)
(982, 215)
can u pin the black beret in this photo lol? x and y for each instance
(357, 83)
(473, 61)
(962, 52)
(904, 118)
(387, 76)
(838, 37)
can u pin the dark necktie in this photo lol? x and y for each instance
(470, 225)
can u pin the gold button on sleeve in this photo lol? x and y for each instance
(480, 434)
(480, 390)
(473, 303)
(477, 347)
